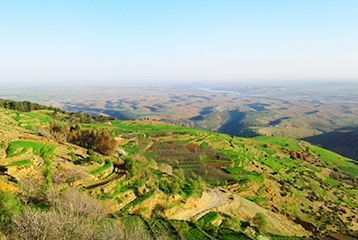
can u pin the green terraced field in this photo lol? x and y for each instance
(17, 148)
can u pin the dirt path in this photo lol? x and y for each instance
(234, 205)
(211, 199)
(102, 183)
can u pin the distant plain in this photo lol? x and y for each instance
(314, 111)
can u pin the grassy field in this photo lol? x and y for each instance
(17, 148)
(29, 120)
(19, 163)
(45, 151)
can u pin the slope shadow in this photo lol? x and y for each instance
(342, 140)
(236, 126)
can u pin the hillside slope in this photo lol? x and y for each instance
(190, 182)
(343, 141)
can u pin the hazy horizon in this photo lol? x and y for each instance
(177, 41)
(143, 83)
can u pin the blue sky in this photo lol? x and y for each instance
(85, 40)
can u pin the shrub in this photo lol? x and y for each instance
(77, 203)
(206, 221)
(68, 175)
(232, 223)
(59, 131)
(169, 188)
(74, 215)
(260, 221)
(91, 158)
(193, 187)
(10, 206)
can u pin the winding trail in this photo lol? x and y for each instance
(102, 183)
(212, 198)
(236, 206)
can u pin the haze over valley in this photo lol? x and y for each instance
(310, 110)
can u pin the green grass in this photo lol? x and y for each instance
(189, 231)
(332, 182)
(107, 165)
(10, 206)
(137, 201)
(208, 219)
(284, 143)
(157, 172)
(256, 199)
(228, 234)
(313, 168)
(30, 120)
(19, 163)
(48, 172)
(124, 127)
(42, 118)
(273, 164)
(162, 227)
(196, 234)
(17, 148)
(335, 160)
(120, 188)
(286, 238)
(242, 176)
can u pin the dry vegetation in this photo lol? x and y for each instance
(71, 215)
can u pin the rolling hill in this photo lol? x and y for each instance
(162, 181)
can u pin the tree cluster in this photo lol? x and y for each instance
(24, 106)
(78, 117)
(97, 140)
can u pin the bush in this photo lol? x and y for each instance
(77, 203)
(74, 215)
(193, 187)
(10, 206)
(68, 175)
(260, 221)
(59, 131)
(77, 117)
(168, 187)
(91, 158)
(206, 221)
(51, 224)
(232, 223)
